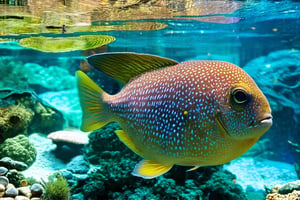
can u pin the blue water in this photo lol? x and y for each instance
(264, 40)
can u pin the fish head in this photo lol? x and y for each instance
(244, 111)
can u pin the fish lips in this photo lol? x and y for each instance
(266, 120)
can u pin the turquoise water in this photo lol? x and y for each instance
(261, 37)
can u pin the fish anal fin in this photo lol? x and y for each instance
(124, 137)
(125, 66)
(149, 169)
(94, 110)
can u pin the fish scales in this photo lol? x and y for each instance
(195, 113)
(159, 98)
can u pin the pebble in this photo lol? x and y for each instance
(2, 188)
(3, 171)
(7, 198)
(36, 190)
(4, 180)
(11, 192)
(25, 191)
(21, 198)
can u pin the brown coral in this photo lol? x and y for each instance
(295, 195)
(14, 120)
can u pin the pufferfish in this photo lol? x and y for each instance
(194, 113)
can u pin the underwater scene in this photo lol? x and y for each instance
(149, 100)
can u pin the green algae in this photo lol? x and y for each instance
(65, 44)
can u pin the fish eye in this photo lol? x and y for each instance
(240, 96)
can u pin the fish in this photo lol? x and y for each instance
(194, 113)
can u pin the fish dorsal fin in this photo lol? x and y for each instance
(125, 66)
(150, 169)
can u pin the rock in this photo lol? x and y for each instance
(2, 188)
(10, 186)
(3, 171)
(36, 190)
(4, 181)
(77, 196)
(12, 164)
(25, 191)
(67, 174)
(35, 198)
(7, 198)
(21, 198)
(78, 165)
(11, 192)
(289, 187)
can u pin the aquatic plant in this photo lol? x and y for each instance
(65, 44)
(30, 180)
(56, 188)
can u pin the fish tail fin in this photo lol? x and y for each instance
(94, 109)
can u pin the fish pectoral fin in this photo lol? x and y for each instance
(124, 137)
(124, 66)
(148, 169)
(194, 168)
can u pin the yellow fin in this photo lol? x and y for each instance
(124, 137)
(148, 169)
(94, 114)
(194, 168)
(124, 66)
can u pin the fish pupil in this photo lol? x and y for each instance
(240, 96)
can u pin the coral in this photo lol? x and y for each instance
(14, 120)
(23, 111)
(39, 77)
(295, 195)
(65, 44)
(69, 137)
(66, 102)
(18, 148)
(56, 188)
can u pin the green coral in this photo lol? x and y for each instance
(18, 148)
(56, 188)
(65, 44)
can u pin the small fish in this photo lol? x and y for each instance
(195, 113)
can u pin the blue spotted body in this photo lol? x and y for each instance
(196, 113)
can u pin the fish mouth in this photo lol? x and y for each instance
(266, 120)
